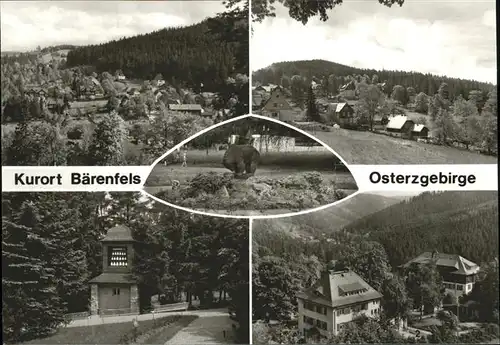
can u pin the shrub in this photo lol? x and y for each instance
(75, 133)
(209, 182)
(340, 194)
(314, 179)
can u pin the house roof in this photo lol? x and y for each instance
(331, 290)
(349, 86)
(95, 81)
(114, 278)
(120, 233)
(418, 128)
(460, 265)
(185, 107)
(397, 122)
(337, 106)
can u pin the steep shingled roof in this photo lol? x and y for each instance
(185, 107)
(461, 265)
(418, 128)
(397, 122)
(331, 290)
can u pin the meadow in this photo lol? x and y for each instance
(357, 147)
(149, 332)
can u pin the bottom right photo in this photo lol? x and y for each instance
(380, 268)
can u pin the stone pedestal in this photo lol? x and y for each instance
(134, 299)
(94, 299)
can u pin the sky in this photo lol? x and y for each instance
(455, 38)
(28, 24)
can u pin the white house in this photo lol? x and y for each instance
(334, 301)
(459, 274)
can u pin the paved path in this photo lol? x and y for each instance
(97, 320)
(207, 329)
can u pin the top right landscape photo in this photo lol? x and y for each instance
(389, 82)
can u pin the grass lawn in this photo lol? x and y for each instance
(298, 161)
(370, 148)
(120, 333)
(426, 323)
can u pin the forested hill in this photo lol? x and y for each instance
(208, 53)
(426, 83)
(322, 224)
(464, 223)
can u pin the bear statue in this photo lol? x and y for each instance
(242, 159)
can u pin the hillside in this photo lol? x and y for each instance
(205, 53)
(426, 83)
(322, 223)
(464, 223)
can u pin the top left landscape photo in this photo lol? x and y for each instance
(106, 83)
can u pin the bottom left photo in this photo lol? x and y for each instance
(118, 268)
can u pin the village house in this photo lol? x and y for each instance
(348, 91)
(158, 82)
(459, 274)
(265, 88)
(341, 114)
(401, 126)
(37, 92)
(257, 101)
(194, 109)
(115, 291)
(158, 95)
(420, 131)
(275, 104)
(334, 301)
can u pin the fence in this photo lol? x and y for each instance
(171, 307)
(114, 312)
(77, 316)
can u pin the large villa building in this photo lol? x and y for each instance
(334, 301)
(459, 274)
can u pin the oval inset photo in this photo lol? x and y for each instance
(251, 166)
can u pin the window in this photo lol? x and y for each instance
(309, 320)
(343, 311)
(118, 257)
(321, 325)
(460, 287)
(275, 105)
(116, 291)
(321, 309)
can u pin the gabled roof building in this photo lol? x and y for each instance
(334, 301)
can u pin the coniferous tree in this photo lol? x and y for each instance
(31, 307)
(312, 106)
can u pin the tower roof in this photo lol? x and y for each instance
(118, 233)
